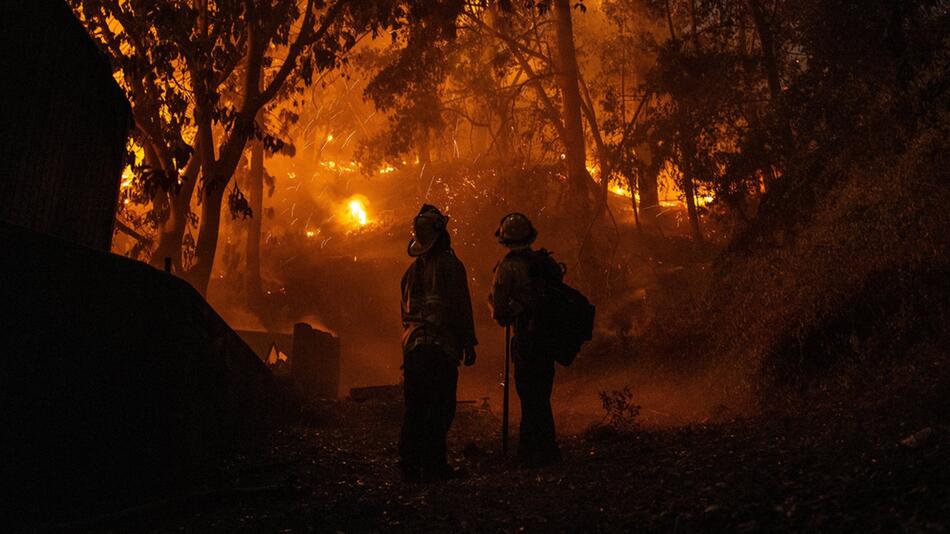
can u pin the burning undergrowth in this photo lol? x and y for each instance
(336, 252)
(333, 249)
(342, 252)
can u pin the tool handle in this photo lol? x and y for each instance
(504, 411)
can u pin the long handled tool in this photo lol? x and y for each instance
(504, 409)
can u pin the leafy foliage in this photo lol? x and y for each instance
(199, 74)
(620, 415)
(406, 79)
(621, 412)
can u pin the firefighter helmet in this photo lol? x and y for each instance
(426, 228)
(515, 231)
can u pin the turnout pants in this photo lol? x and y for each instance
(534, 381)
(430, 381)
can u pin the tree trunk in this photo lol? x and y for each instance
(767, 42)
(208, 229)
(770, 64)
(631, 184)
(500, 100)
(255, 192)
(583, 193)
(568, 81)
(690, 192)
(603, 153)
(425, 149)
(504, 147)
(219, 171)
(172, 232)
(163, 201)
(217, 176)
(649, 195)
(647, 178)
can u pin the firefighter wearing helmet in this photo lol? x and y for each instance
(511, 303)
(438, 334)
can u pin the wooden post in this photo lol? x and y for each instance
(315, 362)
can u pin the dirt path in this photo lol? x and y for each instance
(840, 471)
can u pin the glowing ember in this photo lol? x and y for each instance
(311, 233)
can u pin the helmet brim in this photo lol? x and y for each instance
(521, 242)
(417, 248)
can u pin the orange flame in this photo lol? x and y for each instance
(355, 211)
(358, 212)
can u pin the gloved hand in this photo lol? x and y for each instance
(468, 356)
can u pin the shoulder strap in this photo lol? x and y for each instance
(544, 266)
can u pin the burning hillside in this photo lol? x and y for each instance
(748, 198)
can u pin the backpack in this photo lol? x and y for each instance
(561, 317)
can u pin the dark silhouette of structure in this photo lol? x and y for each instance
(117, 378)
(309, 357)
(64, 125)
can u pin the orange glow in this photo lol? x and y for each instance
(355, 211)
(621, 190)
(358, 212)
(338, 167)
(593, 169)
(127, 178)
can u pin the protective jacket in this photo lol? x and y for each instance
(436, 304)
(512, 295)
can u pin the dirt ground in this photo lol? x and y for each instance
(827, 465)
